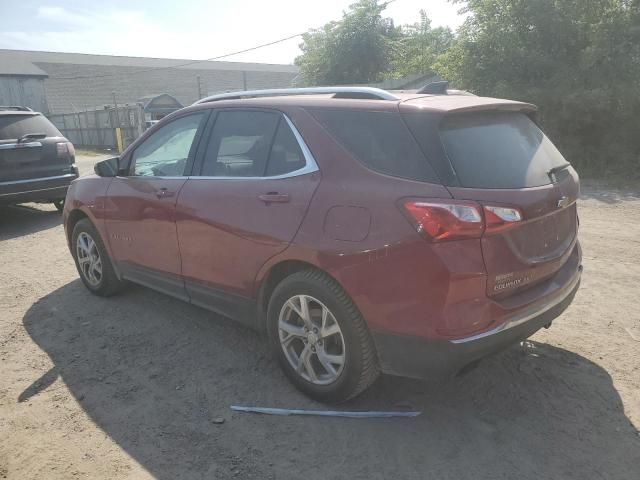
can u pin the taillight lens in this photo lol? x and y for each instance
(451, 219)
(448, 220)
(498, 219)
(65, 150)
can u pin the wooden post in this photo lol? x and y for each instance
(86, 122)
(119, 139)
(115, 104)
(118, 131)
(80, 129)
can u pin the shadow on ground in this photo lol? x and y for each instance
(19, 220)
(154, 373)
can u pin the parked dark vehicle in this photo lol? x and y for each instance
(37, 163)
(366, 231)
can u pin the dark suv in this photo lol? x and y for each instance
(366, 231)
(36, 161)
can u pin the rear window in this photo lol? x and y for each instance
(380, 140)
(498, 150)
(13, 127)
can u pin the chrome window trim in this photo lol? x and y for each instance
(310, 162)
(39, 179)
(150, 177)
(17, 146)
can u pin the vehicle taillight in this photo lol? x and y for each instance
(440, 220)
(65, 150)
(446, 220)
(500, 218)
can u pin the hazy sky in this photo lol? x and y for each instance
(195, 29)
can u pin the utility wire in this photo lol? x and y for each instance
(193, 62)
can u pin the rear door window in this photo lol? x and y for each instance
(380, 140)
(286, 155)
(499, 150)
(12, 127)
(240, 144)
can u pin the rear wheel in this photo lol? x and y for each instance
(320, 338)
(92, 261)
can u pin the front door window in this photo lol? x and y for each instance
(165, 152)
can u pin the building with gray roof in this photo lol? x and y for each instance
(66, 82)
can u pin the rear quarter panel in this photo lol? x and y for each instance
(398, 280)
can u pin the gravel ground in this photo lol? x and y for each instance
(136, 386)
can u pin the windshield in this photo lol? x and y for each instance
(499, 150)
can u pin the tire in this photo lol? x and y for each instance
(59, 204)
(105, 284)
(334, 382)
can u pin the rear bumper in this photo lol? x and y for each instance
(419, 358)
(35, 190)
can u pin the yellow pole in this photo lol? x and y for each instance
(119, 139)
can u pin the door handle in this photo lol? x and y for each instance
(274, 197)
(164, 193)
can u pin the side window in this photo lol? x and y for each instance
(286, 155)
(240, 144)
(379, 140)
(165, 152)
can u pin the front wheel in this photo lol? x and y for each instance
(92, 261)
(320, 338)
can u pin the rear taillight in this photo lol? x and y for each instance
(447, 220)
(500, 218)
(440, 220)
(65, 150)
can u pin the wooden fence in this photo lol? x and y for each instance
(97, 128)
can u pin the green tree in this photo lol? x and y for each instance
(355, 49)
(416, 47)
(365, 47)
(578, 60)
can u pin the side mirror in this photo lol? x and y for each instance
(107, 168)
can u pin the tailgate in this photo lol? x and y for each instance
(32, 160)
(18, 159)
(535, 248)
(23, 157)
(503, 160)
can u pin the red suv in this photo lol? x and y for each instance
(367, 231)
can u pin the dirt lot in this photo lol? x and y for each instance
(129, 387)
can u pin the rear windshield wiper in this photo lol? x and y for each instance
(31, 136)
(552, 171)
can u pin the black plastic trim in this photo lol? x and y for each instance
(237, 307)
(420, 358)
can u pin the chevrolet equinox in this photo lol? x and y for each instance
(365, 230)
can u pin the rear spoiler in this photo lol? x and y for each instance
(528, 108)
(449, 104)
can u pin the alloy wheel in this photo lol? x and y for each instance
(89, 259)
(311, 339)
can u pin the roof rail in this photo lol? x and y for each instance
(15, 108)
(340, 92)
